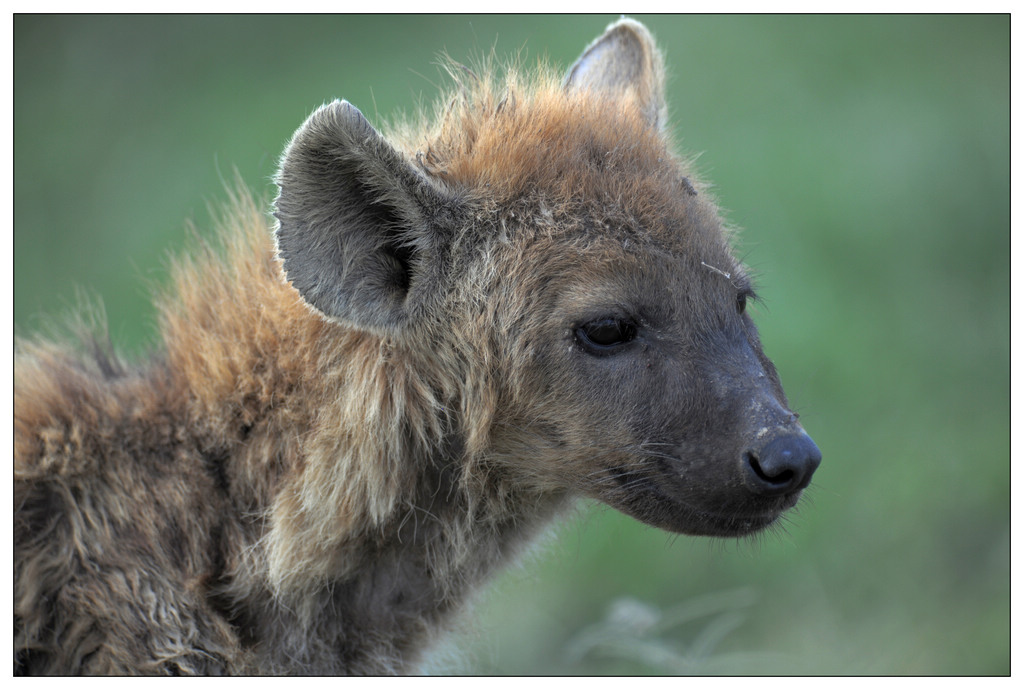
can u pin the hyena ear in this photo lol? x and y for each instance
(623, 59)
(359, 228)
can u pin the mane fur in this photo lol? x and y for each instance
(323, 440)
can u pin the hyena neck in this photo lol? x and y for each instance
(362, 507)
(419, 526)
(383, 530)
(385, 596)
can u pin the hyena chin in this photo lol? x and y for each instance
(355, 417)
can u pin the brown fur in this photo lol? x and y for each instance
(276, 491)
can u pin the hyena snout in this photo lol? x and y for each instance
(783, 465)
(777, 457)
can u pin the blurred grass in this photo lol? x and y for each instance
(866, 158)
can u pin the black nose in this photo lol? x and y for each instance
(783, 466)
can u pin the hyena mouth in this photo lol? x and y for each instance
(701, 523)
(740, 523)
(704, 523)
(661, 502)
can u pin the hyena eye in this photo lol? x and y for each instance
(602, 336)
(742, 297)
(741, 302)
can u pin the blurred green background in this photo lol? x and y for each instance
(866, 159)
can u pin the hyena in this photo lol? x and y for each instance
(357, 413)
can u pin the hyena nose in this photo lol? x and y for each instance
(783, 466)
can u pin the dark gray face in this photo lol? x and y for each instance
(671, 412)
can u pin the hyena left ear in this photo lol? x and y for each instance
(360, 229)
(623, 59)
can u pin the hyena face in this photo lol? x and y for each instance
(647, 382)
(547, 250)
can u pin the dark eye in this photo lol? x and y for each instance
(744, 294)
(604, 335)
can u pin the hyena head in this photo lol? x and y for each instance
(542, 251)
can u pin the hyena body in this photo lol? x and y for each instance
(459, 330)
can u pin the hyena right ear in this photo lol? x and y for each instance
(623, 59)
(359, 228)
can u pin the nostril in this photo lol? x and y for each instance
(781, 478)
(783, 466)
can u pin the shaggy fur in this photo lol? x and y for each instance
(460, 327)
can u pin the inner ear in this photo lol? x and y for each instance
(359, 228)
(393, 227)
(623, 60)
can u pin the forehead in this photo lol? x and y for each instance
(582, 184)
(562, 282)
(586, 165)
(655, 239)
